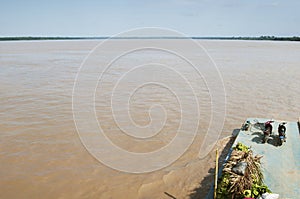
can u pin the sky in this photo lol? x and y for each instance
(191, 17)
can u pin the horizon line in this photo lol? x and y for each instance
(264, 37)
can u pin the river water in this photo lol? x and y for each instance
(41, 153)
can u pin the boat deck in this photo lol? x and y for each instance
(280, 164)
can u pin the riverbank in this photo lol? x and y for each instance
(261, 38)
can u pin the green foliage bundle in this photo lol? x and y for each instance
(232, 185)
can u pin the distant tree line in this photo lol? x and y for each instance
(37, 38)
(271, 38)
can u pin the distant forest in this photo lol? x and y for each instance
(270, 38)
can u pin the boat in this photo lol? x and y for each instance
(280, 163)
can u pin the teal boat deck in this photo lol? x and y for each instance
(280, 164)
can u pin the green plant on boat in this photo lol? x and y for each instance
(241, 147)
(232, 185)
